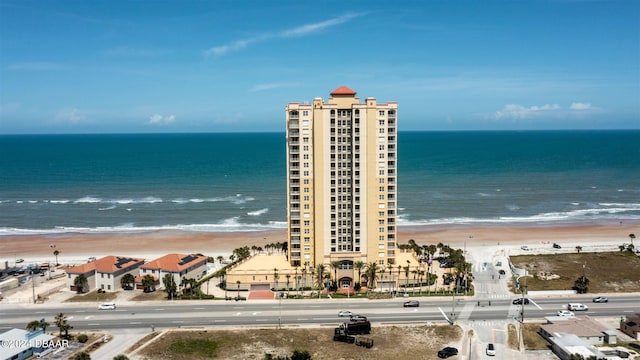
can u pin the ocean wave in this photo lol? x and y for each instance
(621, 212)
(258, 212)
(227, 226)
(237, 199)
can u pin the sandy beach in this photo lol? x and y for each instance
(76, 247)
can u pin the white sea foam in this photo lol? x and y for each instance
(107, 208)
(88, 200)
(258, 212)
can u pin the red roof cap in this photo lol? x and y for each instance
(343, 90)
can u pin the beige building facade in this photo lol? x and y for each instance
(341, 183)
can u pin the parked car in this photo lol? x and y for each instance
(557, 246)
(518, 301)
(412, 303)
(19, 261)
(491, 350)
(524, 247)
(566, 313)
(502, 272)
(447, 352)
(345, 313)
(600, 299)
(107, 306)
(635, 345)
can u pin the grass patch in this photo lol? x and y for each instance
(512, 337)
(390, 343)
(195, 347)
(150, 296)
(608, 272)
(532, 339)
(93, 296)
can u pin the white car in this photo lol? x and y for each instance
(345, 313)
(566, 313)
(107, 306)
(524, 247)
(491, 350)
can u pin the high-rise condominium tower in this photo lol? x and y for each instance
(341, 183)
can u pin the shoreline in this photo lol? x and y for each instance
(149, 244)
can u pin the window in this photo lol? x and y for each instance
(305, 113)
(381, 130)
(381, 112)
(381, 122)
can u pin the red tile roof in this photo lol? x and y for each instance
(107, 264)
(343, 90)
(174, 262)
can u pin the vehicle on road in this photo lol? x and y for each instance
(518, 301)
(566, 313)
(447, 352)
(577, 307)
(345, 313)
(502, 272)
(491, 350)
(18, 261)
(557, 246)
(412, 303)
(107, 306)
(524, 247)
(600, 299)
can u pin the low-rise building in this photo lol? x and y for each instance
(104, 273)
(179, 266)
(566, 345)
(587, 329)
(18, 344)
(631, 325)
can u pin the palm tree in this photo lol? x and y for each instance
(127, 280)
(335, 265)
(63, 325)
(148, 282)
(79, 283)
(238, 283)
(56, 253)
(33, 325)
(170, 286)
(275, 278)
(371, 271)
(304, 277)
(578, 249)
(359, 265)
(320, 276)
(631, 237)
(220, 259)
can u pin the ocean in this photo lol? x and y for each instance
(237, 181)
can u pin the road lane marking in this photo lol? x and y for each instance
(96, 324)
(135, 323)
(219, 320)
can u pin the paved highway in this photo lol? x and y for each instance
(288, 312)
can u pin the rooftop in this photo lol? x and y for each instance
(174, 262)
(343, 90)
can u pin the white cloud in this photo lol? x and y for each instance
(514, 111)
(161, 120)
(72, 116)
(297, 31)
(262, 87)
(581, 106)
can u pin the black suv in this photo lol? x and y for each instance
(446, 352)
(518, 301)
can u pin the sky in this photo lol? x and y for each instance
(227, 66)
